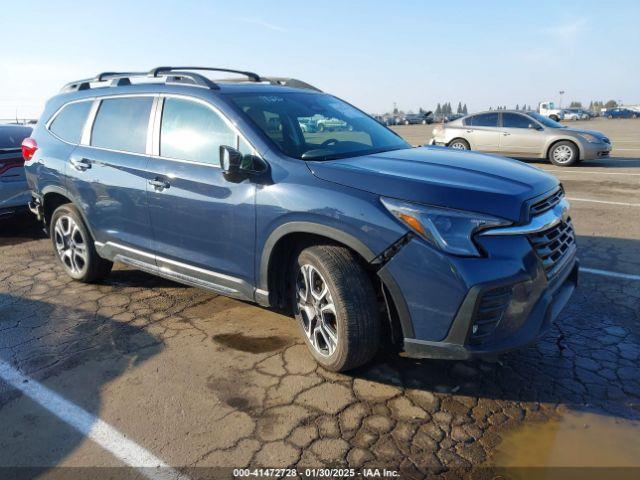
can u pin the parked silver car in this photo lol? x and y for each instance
(521, 134)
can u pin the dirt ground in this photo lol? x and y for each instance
(203, 381)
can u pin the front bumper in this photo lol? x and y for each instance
(591, 151)
(438, 298)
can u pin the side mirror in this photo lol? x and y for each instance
(235, 165)
(533, 126)
(230, 159)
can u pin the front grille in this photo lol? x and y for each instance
(491, 307)
(547, 203)
(552, 245)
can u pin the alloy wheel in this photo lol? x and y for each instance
(317, 310)
(458, 146)
(563, 154)
(70, 244)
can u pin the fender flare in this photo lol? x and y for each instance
(72, 199)
(312, 228)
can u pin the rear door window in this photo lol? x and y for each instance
(69, 122)
(122, 123)
(192, 131)
(484, 120)
(514, 120)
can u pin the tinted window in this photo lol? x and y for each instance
(513, 120)
(483, 120)
(69, 123)
(315, 126)
(192, 131)
(11, 137)
(121, 124)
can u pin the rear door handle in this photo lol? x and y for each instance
(505, 133)
(80, 164)
(159, 184)
(469, 131)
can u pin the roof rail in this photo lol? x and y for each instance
(290, 82)
(254, 77)
(180, 75)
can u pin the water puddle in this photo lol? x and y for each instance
(575, 439)
(245, 343)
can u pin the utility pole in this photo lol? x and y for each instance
(561, 92)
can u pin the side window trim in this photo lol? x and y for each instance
(59, 111)
(157, 125)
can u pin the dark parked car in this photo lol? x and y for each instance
(14, 192)
(620, 112)
(417, 118)
(445, 254)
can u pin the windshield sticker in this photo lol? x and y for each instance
(271, 99)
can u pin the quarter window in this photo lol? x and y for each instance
(69, 123)
(513, 120)
(192, 131)
(121, 124)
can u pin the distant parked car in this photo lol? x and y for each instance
(575, 114)
(621, 112)
(522, 135)
(417, 118)
(14, 192)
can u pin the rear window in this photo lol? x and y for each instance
(69, 123)
(483, 120)
(121, 124)
(11, 137)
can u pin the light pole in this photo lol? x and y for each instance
(561, 92)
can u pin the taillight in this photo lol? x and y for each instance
(29, 148)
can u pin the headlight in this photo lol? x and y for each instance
(448, 230)
(590, 138)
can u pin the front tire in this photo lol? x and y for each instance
(74, 248)
(336, 307)
(459, 144)
(564, 154)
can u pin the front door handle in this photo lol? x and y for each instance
(80, 164)
(505, 133)
(159, 184)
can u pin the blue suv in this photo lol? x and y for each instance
(368, 241)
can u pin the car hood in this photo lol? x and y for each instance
(577, 131)
(442, 177)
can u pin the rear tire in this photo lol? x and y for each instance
(564, 154)
(459, 144)
(335, 306)
(74, 248)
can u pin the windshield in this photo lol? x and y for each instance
(547, 122)
(313, 126)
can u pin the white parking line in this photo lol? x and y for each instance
(92, 427)
(625, 204)
(607, 273)
(590, 172)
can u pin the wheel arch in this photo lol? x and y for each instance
(460, 137)
(288, 239)
(52, 197)
(564, 139)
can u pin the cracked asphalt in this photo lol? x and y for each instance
(201, 380)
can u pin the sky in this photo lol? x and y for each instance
(373, 53)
